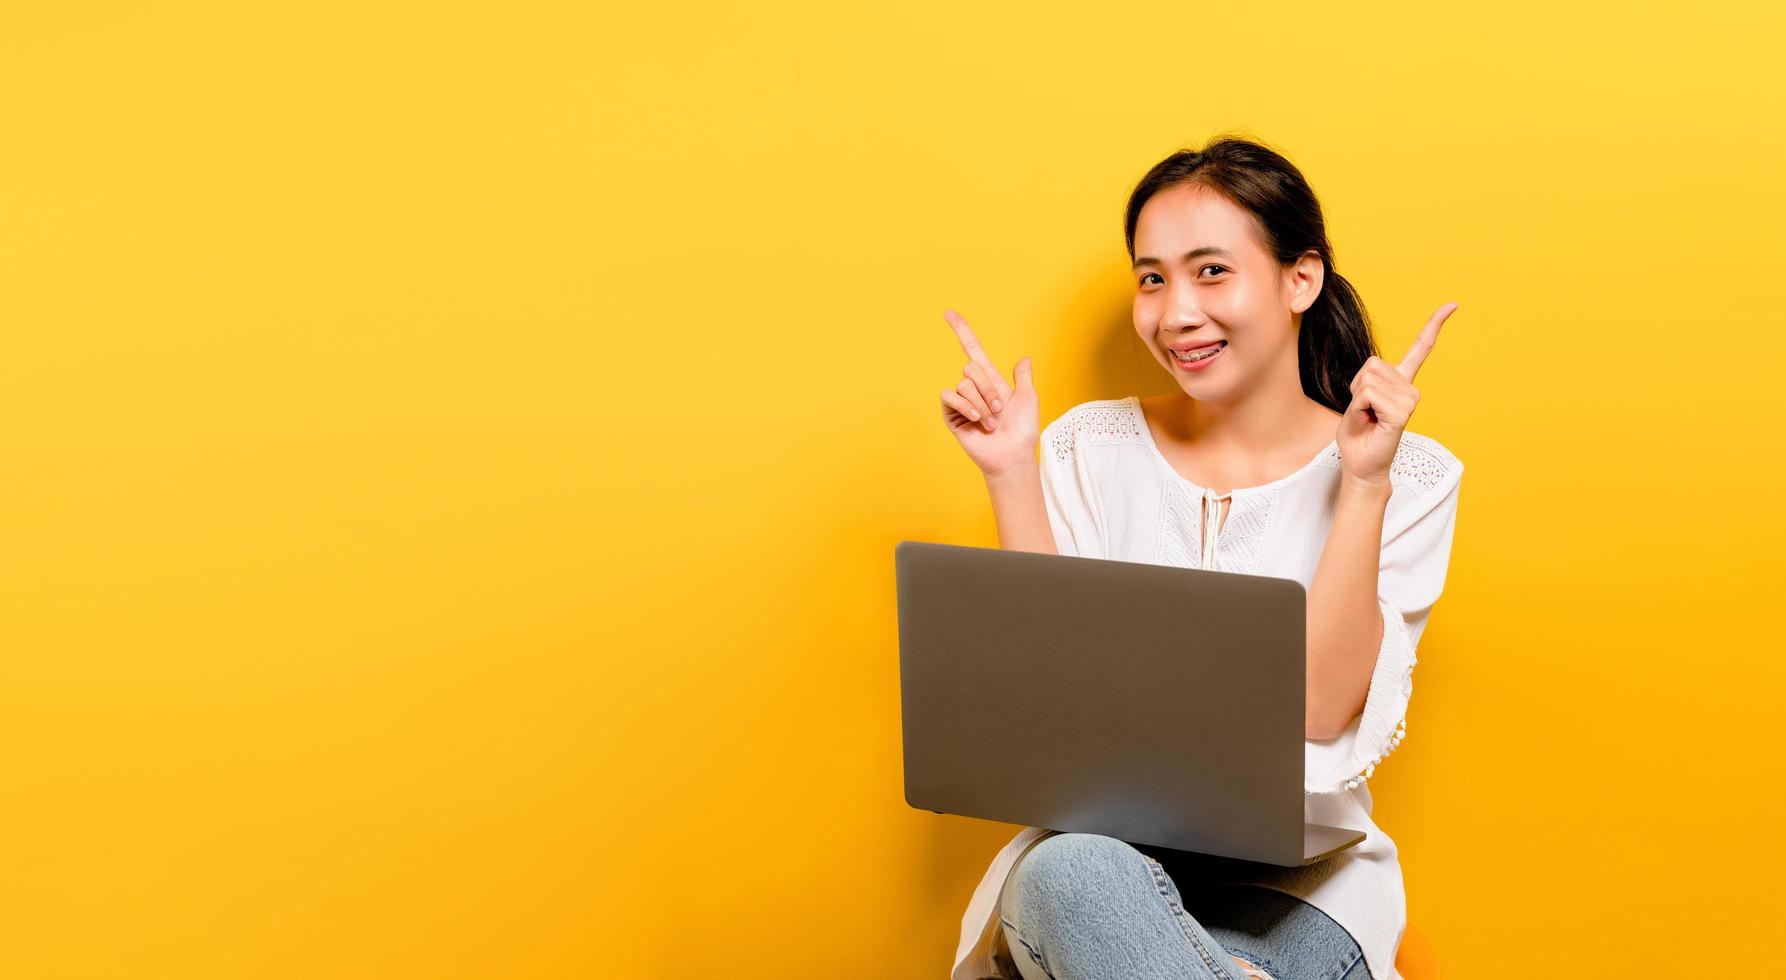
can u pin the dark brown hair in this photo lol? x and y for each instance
(1335, 338)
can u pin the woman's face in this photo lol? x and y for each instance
(1203, 277)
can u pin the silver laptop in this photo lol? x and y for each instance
(1158, 705)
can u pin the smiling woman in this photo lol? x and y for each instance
(1284, 452)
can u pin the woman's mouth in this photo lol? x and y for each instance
(1198, 359)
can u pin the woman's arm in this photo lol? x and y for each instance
(1018, 509)
(1345, 621)
(1345, 624)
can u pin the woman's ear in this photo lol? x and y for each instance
(1304, 280)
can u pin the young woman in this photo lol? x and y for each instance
(1283, 452)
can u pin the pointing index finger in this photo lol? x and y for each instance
(1423, 344)
(970, 344)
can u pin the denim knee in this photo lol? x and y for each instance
(1072, 875)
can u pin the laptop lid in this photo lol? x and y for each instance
(1155, 704)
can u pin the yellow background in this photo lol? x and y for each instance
(453, 456)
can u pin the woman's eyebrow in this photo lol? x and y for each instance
(1188, 256)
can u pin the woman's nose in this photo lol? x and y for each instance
(1182, 309)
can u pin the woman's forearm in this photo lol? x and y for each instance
(1018, 510)
(1345, 624)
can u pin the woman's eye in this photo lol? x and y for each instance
(1156, 275)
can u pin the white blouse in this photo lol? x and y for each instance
(1110, 493)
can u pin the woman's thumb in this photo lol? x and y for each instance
(1022, 374)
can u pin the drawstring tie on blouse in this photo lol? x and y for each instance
(1212, 512)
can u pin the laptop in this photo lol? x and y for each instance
(1158, 705)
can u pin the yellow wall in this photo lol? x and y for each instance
(453, 456)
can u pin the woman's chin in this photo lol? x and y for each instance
(1204, 389)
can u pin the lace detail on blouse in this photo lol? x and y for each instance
(1414, 462)
(1181, 522)
(1094, 425)
(1243, 534)
(1240, 542)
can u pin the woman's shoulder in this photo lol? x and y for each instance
(1099, 421)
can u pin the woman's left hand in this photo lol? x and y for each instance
(1383, 398)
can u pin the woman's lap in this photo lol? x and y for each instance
(1081, 906)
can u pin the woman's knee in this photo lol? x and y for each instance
(1068, 871)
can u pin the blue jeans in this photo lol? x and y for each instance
(1087, 906)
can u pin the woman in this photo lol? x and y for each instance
(1283, 452)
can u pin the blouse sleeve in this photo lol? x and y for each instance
(1411, 573)
(1068, 493)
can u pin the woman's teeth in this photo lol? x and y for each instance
(1201, 353)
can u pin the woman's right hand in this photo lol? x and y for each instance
(998, 425)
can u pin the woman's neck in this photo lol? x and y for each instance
(1261, 423)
